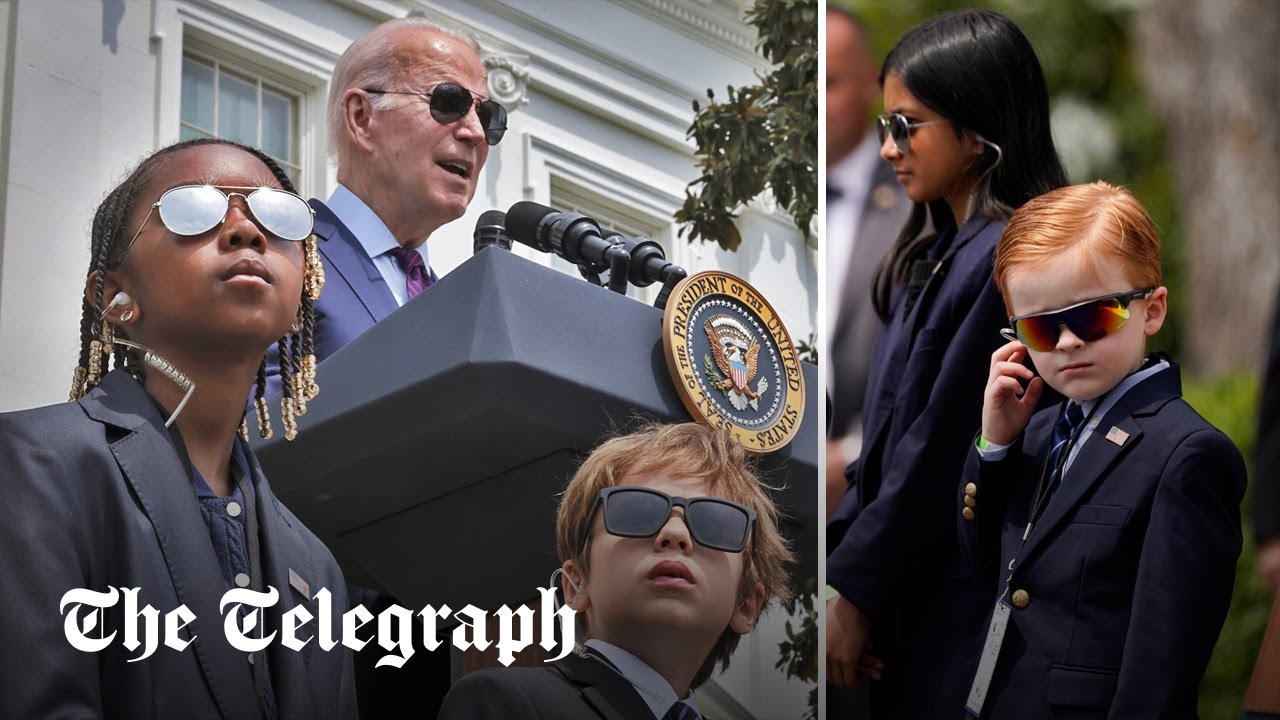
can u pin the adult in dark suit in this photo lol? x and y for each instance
(582, 686)
(968, 136)
(866, 208)
(408, 162)
(106, 501)
(1266, 484)
(1124, 582)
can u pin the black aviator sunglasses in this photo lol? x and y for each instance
(450, 102)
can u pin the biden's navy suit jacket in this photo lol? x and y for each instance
(355, 295)
(97, 495)
(1126, 575)
(893, 550)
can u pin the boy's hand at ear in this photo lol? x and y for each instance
(848, 635)
(1006, 407)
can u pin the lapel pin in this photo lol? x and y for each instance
(297, 583)
(1117, 436)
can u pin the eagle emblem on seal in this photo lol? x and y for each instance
(735, 352)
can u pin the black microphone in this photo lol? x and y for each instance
(574, 237)
(491, 229)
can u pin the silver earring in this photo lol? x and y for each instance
(127, 315)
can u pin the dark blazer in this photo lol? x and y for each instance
(893, 551)
(1266, 481)
(355, 295)
(1129, 570)
(575, 688)
(97, 495)
(884, 210)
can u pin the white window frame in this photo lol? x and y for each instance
(193, 51)
(558, 167)
(249, 39)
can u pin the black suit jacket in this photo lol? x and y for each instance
(1128, 571)
(1266, 481)
(575, 688)
(97, 495)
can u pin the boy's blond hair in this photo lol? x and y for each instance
(1099, 219)
(693, 451)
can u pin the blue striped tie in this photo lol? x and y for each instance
(680, 711)
(1062, 430)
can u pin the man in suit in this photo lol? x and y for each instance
(408, 162)
(406, 166)
(866, 209)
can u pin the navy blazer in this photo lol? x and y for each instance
(893, 551)
(97, 495)
(575, 688)
(1128, 572)
(355, 295)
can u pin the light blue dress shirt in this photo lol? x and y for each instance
(375, 238)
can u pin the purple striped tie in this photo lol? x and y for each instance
(417, 278)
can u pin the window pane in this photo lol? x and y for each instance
(187, 133)
(197, 93)
(277, 119)
(237, 110)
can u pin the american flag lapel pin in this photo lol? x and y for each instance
(1117, 436)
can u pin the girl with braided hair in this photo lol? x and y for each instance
(142, 496)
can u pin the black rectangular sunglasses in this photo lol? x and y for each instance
(640, 512)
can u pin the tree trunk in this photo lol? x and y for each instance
(1212, 70)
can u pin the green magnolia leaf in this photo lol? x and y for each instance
(763, 137)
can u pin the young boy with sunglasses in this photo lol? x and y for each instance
(1108, 528)
(670, 551)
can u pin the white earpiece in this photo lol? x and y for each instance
(121, 298)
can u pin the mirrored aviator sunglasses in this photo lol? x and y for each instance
(194, 209)
(638, 512)
(1090, 320)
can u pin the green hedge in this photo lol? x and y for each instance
(1231, 404)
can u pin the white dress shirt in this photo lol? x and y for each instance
(652, 687)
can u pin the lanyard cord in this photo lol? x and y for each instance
(1045, 485)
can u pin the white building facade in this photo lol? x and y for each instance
(600, 98)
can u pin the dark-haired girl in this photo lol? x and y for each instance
(142, 492)
(967, 133)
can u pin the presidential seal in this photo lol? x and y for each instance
(732, 360)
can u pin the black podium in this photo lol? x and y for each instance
(431, 461)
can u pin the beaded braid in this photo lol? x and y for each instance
(108, 247)
(260, 401)
(288, 412)
(294, 380)
(309, 340)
